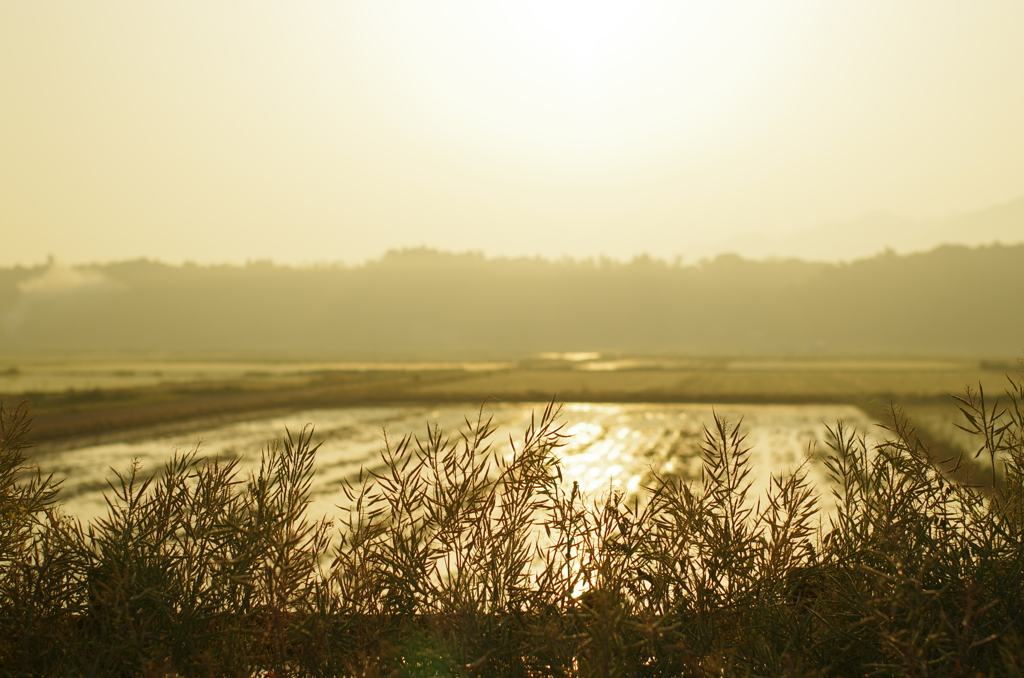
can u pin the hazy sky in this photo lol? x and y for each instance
(311, 131)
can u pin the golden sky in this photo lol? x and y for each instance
(308, 131)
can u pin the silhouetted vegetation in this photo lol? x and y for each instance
(422, 303)
(455, 560)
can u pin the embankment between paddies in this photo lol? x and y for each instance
(64, 418)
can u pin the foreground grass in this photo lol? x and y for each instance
(456, 561)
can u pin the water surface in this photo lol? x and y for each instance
(609, 445)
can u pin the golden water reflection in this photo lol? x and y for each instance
(608, 445)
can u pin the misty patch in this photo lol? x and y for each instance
(437, 306)
(57, 288)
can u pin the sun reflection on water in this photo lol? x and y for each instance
(607, 446)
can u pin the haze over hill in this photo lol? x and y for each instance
(422, 303)
(877, 232)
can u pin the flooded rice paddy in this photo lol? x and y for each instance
(608, 444)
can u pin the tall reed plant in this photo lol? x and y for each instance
(455, 559)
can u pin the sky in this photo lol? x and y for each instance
(312, 131)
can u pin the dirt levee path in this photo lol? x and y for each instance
(117, 413)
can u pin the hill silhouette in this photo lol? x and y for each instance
(422, 303)
(879, 231)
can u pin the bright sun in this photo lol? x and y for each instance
(581, 32)
(578, 76)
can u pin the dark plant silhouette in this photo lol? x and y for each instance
(454, 560)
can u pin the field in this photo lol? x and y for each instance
(107, 399)
(457, 558)
(463, 557)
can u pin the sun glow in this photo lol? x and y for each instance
(584, 76)
(327, 130)
(580, 32)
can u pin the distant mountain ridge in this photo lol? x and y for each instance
(880, 231)
(424, 304)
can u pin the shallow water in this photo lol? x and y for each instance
(609, 444)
